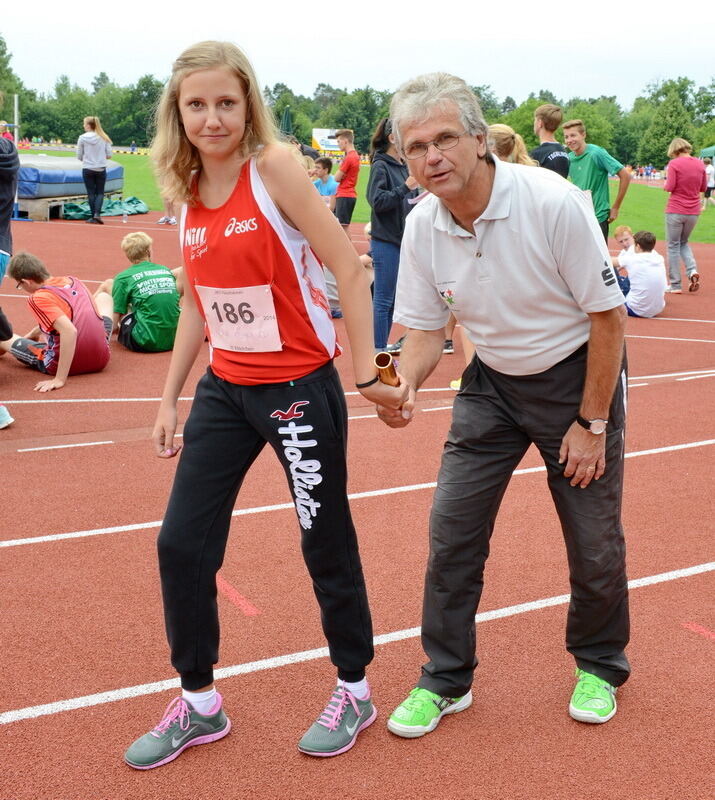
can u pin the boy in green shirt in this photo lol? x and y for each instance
(145, 299)
(590, 166)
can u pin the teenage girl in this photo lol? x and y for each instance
(250, 223)
(94, 147)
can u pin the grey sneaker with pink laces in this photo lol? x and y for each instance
(180, 727)
(337, 728)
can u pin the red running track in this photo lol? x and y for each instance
(82, 624)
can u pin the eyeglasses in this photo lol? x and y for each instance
(445, 141)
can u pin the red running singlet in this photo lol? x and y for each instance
(243, 245)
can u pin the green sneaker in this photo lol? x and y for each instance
(421, 712)
(337, 728)
(180, 727)
(593, 699)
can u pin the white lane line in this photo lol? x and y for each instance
(422, 391)
(438, 408)
(91, 400)
(676, 319)
(241, 512)
(697, 377)
(669, 374)
(347, 394)
(670, 339)
(87, 701)
(61, 446)
(636, 385)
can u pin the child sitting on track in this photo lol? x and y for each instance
(77, 332)
(642, 276)
(249, 226)
(149, 290)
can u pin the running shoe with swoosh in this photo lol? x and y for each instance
(337, 728)
(180, 727)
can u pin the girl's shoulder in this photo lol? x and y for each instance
(278, 167)
(274, 156)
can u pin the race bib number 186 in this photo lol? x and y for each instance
(241, 319)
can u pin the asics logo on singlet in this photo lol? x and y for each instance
(194, 236)
(240, 226)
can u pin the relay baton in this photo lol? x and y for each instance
(386, 369)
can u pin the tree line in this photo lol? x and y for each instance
(664, 110)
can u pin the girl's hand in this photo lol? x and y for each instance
(163, 433)
(390, 398)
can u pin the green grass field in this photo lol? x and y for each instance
(643, 208)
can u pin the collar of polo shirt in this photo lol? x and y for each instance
(498, 207)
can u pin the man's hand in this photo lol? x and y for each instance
(613, 213)
(585, 455)
(48, 386)
(398, 417)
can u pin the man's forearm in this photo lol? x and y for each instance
(420, 355)
(605, 355)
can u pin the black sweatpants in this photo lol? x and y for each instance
(496, 418)
(305, 422)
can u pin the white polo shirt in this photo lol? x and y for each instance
(646, 272)
(521, 283)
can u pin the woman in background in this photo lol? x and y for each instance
(389, 188)
(507, 145)
(94, 147)
(686, 182)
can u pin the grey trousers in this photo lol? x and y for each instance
(678, 228)
(496, 418)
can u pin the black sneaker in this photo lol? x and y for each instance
(448, 347)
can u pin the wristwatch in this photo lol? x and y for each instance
(596, 426)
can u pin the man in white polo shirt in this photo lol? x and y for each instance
(516, 255)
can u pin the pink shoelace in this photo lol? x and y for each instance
(330, 718)
(176, 710)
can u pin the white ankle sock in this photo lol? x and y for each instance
(202, 702)
(361, 689)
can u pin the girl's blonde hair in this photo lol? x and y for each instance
(175, 158)
(679, 147)
(508, 145)
(137, 246)
(96, 126)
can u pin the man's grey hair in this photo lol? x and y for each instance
(415, 100)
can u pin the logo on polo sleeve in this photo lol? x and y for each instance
(608, 275)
